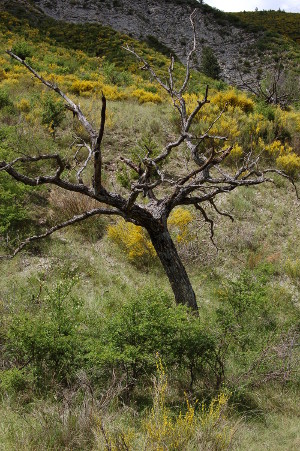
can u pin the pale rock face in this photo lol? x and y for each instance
(166, 20)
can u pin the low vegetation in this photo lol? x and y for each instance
(287, 24)
(94, 354)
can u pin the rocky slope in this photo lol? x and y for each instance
(167, 21)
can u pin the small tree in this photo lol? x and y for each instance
(162, 192)
(209, 63)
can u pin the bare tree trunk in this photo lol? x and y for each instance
(172, 264)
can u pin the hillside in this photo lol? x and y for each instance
(95, 354)
(231, 40)
(287, 24)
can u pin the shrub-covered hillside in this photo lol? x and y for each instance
(287, 24)
(94, 353)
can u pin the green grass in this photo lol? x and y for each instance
(40, 408)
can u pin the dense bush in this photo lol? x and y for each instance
(209, 63)
(53, 111)
(47, 340)
(146, 326)
(13, 211)
(22, 50)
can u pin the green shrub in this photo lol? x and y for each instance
(14, 381)
(209, 63)
(146, 325)
(47, 338)
(245, 313)
(4, 99)
(22, 50)
(13, 210)
(53, 111)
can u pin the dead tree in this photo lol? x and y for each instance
(277, 87)
(198, 187)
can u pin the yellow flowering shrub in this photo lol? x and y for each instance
(234, 99)
(214, 427)
(144, 96)
(23, 105)
(3, 75)
(198, 430)
(276, 148)
(255, 124)
(290, 163)
(179, 222)
(236, 152)
(83, 86)
(113, 93)
(164, 431)
(131, 239)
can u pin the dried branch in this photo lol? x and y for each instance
(74, 220)
(209, 221)
(148, 67)
(87, 160)
(71, 105)
(9, 168)
(131, 165)
(221, 213)
(196, 111)
(190, 55)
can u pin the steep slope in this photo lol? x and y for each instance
(167, 22)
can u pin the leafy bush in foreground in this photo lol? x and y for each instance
(45, 338)
(148, 324)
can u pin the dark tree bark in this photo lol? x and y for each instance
(172, 264)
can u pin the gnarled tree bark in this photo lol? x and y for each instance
(172, 264)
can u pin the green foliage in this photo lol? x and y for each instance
(146, 325)
(53, 111)
(47, 338)
(209, 63)
(14, 381)
(287, 24)
(4, 98)
(245, 313)
(13, 210)
(114, 76)
(22, 50)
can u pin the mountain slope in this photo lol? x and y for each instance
(167, 23)
(287, 24)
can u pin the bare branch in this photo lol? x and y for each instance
(170, 70)
(196, 111)
(189, 57)
(209, 221)
(222, 213)
(131, 165)
(87, 160)
(169, 148)
(146, 66)
(286, 176)
(9, 168)
(74, 220)
(71, 105)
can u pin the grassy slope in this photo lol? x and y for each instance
(287, 24)
(265, 231)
